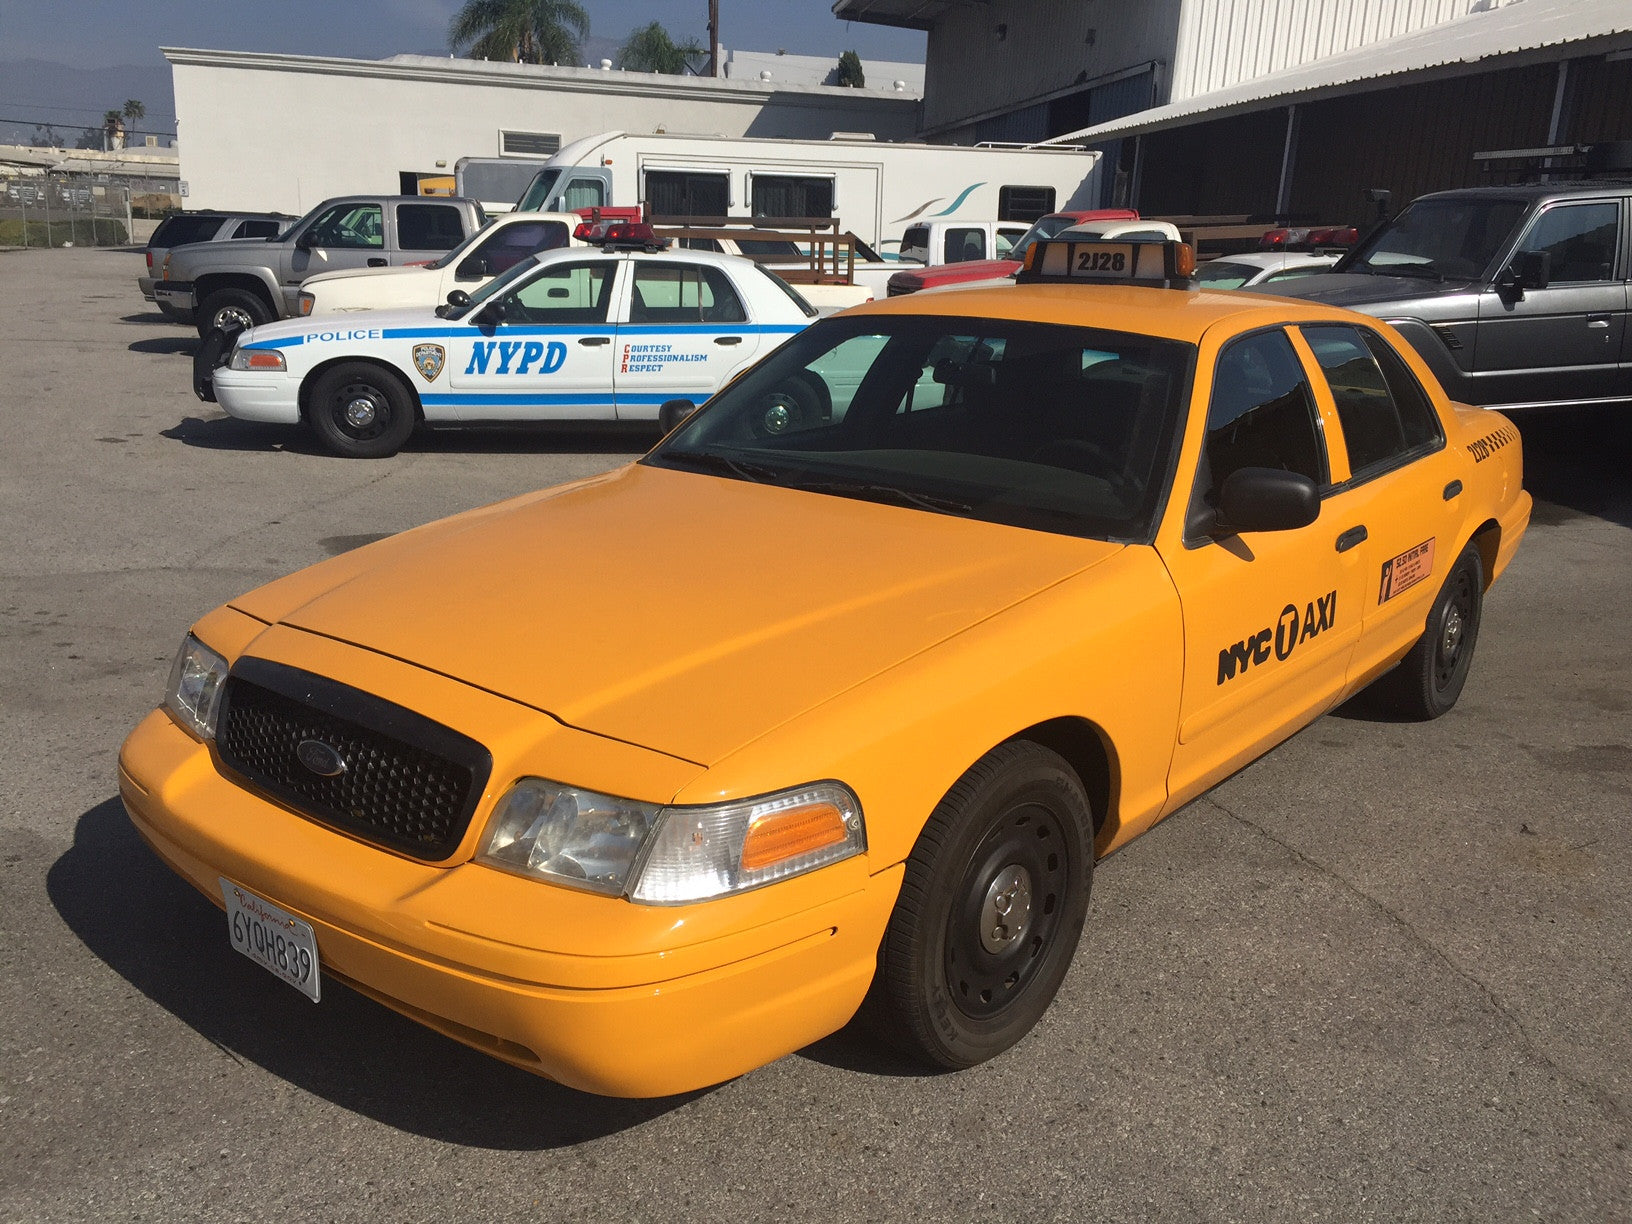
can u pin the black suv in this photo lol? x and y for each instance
(1516, 297)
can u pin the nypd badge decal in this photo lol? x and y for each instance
(429, 359)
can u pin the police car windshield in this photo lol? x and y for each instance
(1061, 429)
(498, 284)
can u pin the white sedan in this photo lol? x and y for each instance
(490, 251)
(1257, 270)
(582, 334)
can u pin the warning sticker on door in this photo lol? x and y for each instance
(1406, 570)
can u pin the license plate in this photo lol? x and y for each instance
(273, 938)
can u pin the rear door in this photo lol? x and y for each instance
(685, 331)
(1562, 342)
(421, 231)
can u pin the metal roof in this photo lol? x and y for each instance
(1514, 34)
(908, 14)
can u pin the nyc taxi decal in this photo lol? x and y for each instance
(1290, 629)
(1403, 572)
(1483, 448)
(516, 357)
(653, 358)
(428, 360)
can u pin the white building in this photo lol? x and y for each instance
(282, 132)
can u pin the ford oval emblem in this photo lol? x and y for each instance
(320, 758)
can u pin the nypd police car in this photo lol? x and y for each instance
(607, 333)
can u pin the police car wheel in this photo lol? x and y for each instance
(361, 411)
(1428, 681)
(990, 910)
(231, 310)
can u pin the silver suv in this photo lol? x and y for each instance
(180, 229)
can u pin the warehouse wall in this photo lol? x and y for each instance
(285, 132)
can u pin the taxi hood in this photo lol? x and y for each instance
(683, 612)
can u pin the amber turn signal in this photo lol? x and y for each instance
(778, 836)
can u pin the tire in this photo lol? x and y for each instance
(797, 403)
(959, 979)
(212, 353)
(361, 411)
(1429, 679)
(231, 309)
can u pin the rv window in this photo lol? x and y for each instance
(1024, 203)
(784, 197)
(584, 193)
(686, 193)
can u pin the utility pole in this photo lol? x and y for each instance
(713, 38)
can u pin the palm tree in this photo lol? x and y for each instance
(521, 31)
(651, 49)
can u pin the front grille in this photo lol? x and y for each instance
(408, 783)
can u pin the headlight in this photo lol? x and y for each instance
(256, 359)
(666, 856)
(196, 681)
(305, 302)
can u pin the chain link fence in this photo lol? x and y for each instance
(58, 209)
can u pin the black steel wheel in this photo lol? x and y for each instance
(990, 911)
(361, 411)
(1429, 679)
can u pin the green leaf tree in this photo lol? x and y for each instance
(134, 109)
(520, 31)
(651, 49)
(850, 72)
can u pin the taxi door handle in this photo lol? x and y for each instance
(727, 339)
(1351, 537)
(376, 262)
(1453, 489)
(594, 341)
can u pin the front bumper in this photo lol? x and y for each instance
(594, 992)
(257, 395)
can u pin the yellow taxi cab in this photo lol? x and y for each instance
(835, 696)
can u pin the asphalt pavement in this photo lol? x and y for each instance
(1385, 973)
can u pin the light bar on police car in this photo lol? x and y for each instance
(1165, 265)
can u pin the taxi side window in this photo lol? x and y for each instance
(349, 226)
(683, 293)
(1386, 416)
(1262, 414)
(566, 293)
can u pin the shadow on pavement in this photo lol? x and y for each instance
(151, 317)
(1578, 463)
(229, 433)
(166, 345)
(169, 942)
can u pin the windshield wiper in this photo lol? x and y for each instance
(713, 461)
(1425, 270)
(886, 493)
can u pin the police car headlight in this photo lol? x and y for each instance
(256, 359)
(196, 682)
(670, 855)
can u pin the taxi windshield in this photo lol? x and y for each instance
(1449, 238)
(1062, 429)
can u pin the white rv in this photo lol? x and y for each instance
(875, 189)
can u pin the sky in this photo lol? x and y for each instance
(106, 33)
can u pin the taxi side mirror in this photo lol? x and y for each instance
(673, 413)
(1266, 499)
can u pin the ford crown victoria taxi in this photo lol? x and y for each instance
(576, 334)
(643, 781)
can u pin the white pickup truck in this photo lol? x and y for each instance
(498, 247)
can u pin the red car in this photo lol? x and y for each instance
(910, 280)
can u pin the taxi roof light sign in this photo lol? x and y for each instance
(1163, 265)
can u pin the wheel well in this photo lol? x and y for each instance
(207, 285)
(1087, 750)
(1489, 539)
(317, 372)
